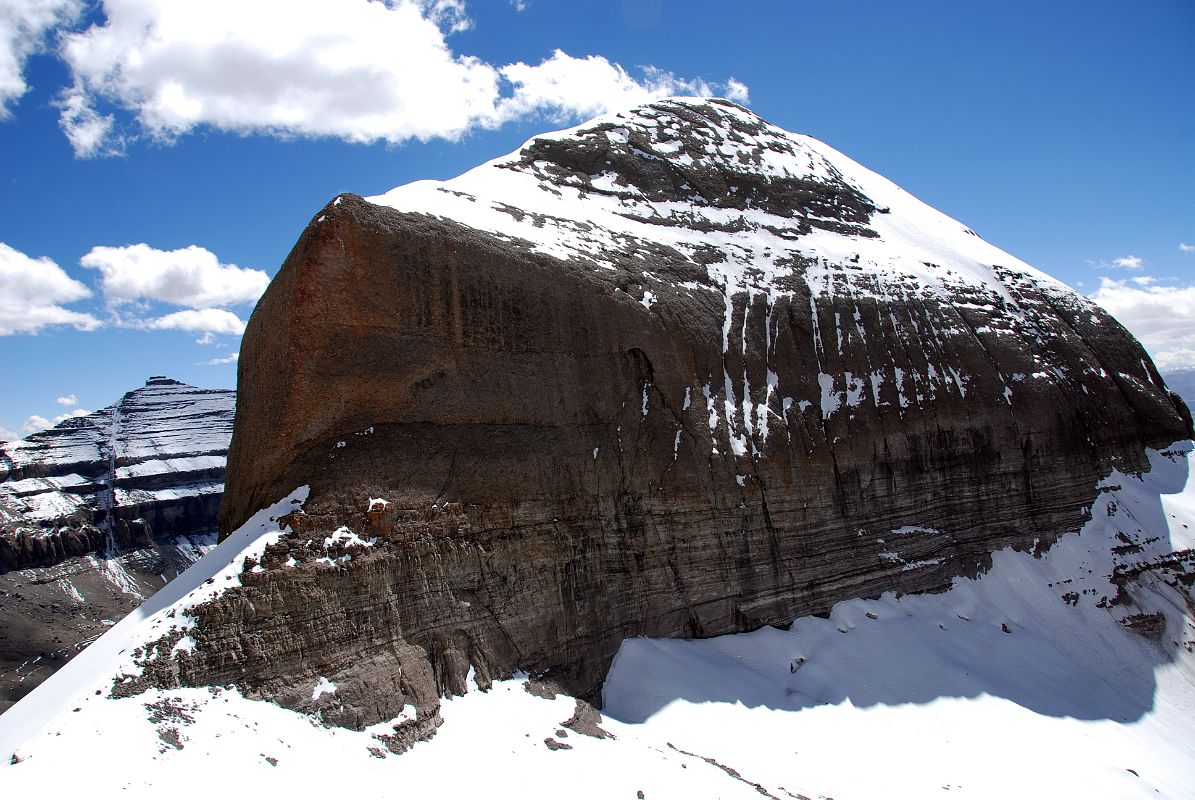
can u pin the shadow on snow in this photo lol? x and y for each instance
(1058, 658)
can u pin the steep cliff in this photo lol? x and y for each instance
(98, 513)
(675, 372)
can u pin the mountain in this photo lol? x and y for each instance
(672, 374)
(97, 513)
(1182, 383)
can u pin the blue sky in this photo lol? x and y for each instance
(1063, 132)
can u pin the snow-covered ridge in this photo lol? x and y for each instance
(112, 657)
(746, 200)
(689, 200)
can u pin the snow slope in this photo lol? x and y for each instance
(592, 217)
(913, 696)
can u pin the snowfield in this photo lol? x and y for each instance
(1021, 683)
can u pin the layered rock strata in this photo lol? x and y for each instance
(150, 467)
(675, 372)
(97, 514)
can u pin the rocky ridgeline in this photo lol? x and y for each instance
(98, 513)
(675, 372)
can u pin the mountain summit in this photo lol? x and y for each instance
(671, 373)
(674, 372)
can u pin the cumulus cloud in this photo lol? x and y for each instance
(191, 276)
(67, 400)
(563, 86)
(205, 320)
(1161, 316)
(36, 422)
(736, 91)
(24, 25)
(1128, 262)
(32, 291)
(356, 70)
(8, 435)
(1183, 247)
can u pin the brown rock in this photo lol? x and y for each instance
(541, 431)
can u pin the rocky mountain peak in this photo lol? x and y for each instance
(673, 372)
(712, 187)
(162, 380)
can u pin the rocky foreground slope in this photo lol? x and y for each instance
(98, 513)
(675, 372)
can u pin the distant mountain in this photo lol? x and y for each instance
(1182, 383)
(98, 513)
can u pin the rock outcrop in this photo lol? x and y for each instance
(97, 514)
(675, 372)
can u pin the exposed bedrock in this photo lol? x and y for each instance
(552, 456)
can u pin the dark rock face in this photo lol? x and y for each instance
(97, 513)
(675, 373)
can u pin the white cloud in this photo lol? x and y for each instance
(207, 320)
(88, 131)
(1161, 316)
(231, 358)
(67, 400)
(24, 25)
(356, 70)
(8, 435)
(736, 91)
(1128, 262)
(1183, 247)
(520, 5)
(36, 422)
(448, 15)
(32, 291)
(564, 87)
(192, 276)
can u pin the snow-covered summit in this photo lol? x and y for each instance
(717, 184)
